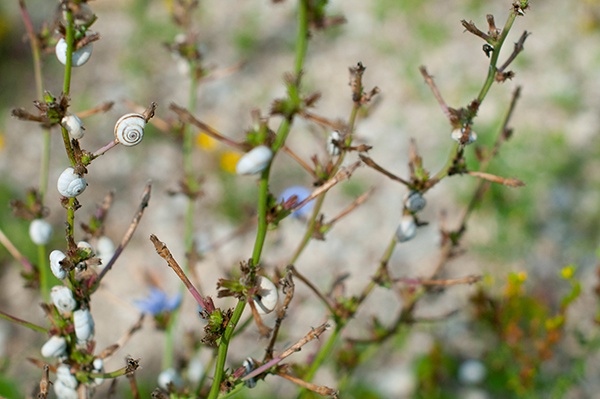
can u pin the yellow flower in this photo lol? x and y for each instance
(206, 142)
(228, 161)
(2, 142)
(522, 276)
(567, 272)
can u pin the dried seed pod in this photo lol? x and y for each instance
(73, 125)
(56, 257)
(56, 346)
(332, 148)
(129, 129)
(62, 297)
(40, 231)
(70, 184)
(414, 201)
(407, 229)
(254, 161)
(84, 325)
(80, 57)
(266, 297)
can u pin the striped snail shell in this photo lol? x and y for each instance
(129, 129)
(70, 184)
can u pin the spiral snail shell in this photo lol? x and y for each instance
(80, 57)
(84, 325)
(70, 184)
(129, 129)
(40, 231)
(254, 161)
(266, 297)
(56, 257)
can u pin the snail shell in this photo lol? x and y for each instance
(56, 346)
(62, 391)
(80, 57)
(169, 376)
(254, 161)
(407, 229)
(129, 129)
(414, 201)
(73, 125)
(62, 297)
(332, 148)
(84, 325)
(40, 231)
(63, 374)
(70, 184)
(266, 296)
(249, 364)
(56, 257)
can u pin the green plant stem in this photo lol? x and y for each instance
(263, 196)
(44, 275)
(22, 322)
(494, 58)
(223, 347)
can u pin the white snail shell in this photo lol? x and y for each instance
(63, 374)
(73, 125)
(169, 376)
(62, 297)
(254, 161)
(457, 135)
(56, 346)
(64, 392)
(249, 365)
(105, 249)
(80, 57)
(332, 148)
(266, 296)
(40, 231)
(84, 325)
(407, 229)
(129, 129)
(98, 367)
(56, 257)
(70, 184)
(414, 201)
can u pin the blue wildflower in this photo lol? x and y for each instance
(158, 302)
(301, 194)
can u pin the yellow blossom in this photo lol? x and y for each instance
(206, 142)
(567, 272)
(228, 161)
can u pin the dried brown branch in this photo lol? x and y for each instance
(110, 350)
(356, 203)
(436, 93)
(519, 46)
(509, 182)
(444, 282)
(288, 289)
(44, 382)
(300, 161)
(471, 28)
(327, 301)
(318, 389)
(128, 234)
(104, 107)
(370, 163)
(186, 117)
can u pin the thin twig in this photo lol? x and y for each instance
(104, 107)
(509, 182)
(318, 389)
(164, 252)
(4, 240)
(372, 164)
(356, 203)
(438, 96)
(444, 282)
(110, 350)
(44, 382)
(519, 46)
(300, 161)
(132, 227)
(343, 174)
(312, 335)
(330, 305)
(186, 117)
(288, 289)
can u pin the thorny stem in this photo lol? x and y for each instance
(282, 133)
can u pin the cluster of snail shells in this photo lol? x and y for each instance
(129, 129)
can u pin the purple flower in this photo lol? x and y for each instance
(301, 194)
(158, 302)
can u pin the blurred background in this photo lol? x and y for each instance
(539, 229)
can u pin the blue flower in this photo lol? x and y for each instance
(301, 194)
(158, 302)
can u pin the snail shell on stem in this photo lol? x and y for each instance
(70, 184)
(129, 129)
